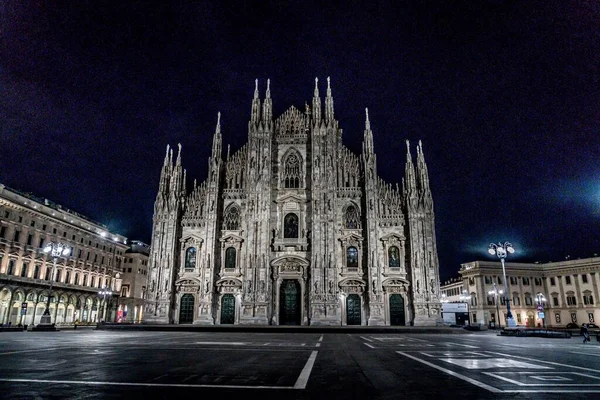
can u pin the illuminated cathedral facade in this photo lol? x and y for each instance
(294, 229)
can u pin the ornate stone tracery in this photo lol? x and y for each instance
(295, 207)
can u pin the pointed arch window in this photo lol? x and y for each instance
(291, 171)
(290, 226)
(394, 257)
(230, 258)
(232, 219)
(190, 259)
(351, 257)
(352, 218)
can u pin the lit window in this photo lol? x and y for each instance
(190, 258)
(394, 257)
(352, 257)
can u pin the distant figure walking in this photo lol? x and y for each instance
(585, 333)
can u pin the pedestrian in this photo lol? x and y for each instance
(585, 333)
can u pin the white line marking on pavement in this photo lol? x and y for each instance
(321, 338)
(546, 362)
(100, 383)
(552, 391)
(547, 382)
(462, 345)
(367, 339)
(305, 374)
(585, 354)
(158, 377)
(367, 344)
(318, 345)
(189, 377)
(455, 374)
(223, 343)
(468, 340)
(27, 351)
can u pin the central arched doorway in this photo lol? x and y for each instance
(186, 309)
(353, 310)
(289, 302)
(227, 309)
(397, 310)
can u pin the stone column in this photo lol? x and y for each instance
(35, 304)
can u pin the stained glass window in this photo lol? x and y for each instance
(352, 257)
(232, 219)
(291, 171)
(290, 226)
(230, 258)
(352, 218)
(394, 257)
(190, 258)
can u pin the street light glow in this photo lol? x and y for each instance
(501, 250)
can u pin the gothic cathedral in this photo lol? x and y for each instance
(294, 229)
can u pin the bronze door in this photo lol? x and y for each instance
(289, 302)
(353, 310)
(186, 309)
(397, 310)
(227, 309)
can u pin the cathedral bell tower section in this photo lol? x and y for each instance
(325, 303)
(165, 241)
(423, 249)
(254, 201)
(376, 315)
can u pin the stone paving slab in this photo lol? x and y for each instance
(285, 329)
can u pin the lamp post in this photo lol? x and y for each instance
(55, 250)
(465, 296)
(502, 250)
(104, 293)
(540, 308)
(496, 292)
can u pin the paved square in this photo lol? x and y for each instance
(487, 363)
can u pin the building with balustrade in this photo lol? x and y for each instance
(293, 228)
(134, 276)
(28, 276)
(563, 292)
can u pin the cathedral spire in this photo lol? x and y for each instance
(268, 104)
(177, 174)
(368, 137)
(165, 173)
(316, 103)
(255, 116)
(165, 163)
(329, 102)
(422, 172)
(178, 162)
(411, 183)
(216, 147)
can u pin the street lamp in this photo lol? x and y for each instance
(104, 293)
(540, 301)
(55, 250)
(502, 250)
(496, 292)
(466, 297)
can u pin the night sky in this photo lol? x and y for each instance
(505, 96)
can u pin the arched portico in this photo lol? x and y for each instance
(290, 289)
(397, 302)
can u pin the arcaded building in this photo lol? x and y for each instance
(27, 275)
(294, 229)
